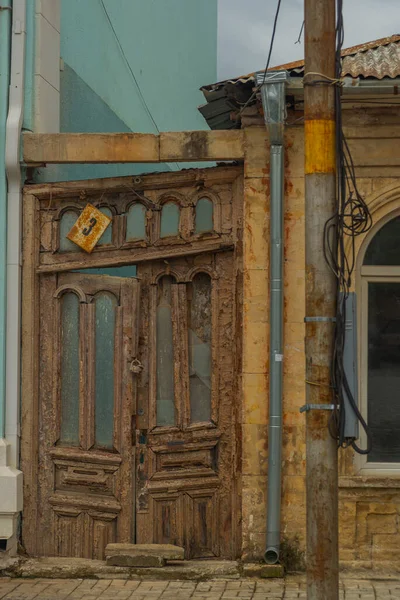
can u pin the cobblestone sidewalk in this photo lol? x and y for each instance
(107, 589)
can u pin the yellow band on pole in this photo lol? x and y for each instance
(320, 153)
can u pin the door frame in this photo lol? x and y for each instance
(30, 366)
(31, 273)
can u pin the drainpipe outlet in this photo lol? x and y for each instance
(271, 555)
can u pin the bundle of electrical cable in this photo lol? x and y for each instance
(351, 219)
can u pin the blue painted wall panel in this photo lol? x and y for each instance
(133, 65)
(82, 110)
(169, 49)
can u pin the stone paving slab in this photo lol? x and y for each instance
(81, 568)
(114, 589)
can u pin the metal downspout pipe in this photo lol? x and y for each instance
(14, 228)
(274, 105)
(5, 45)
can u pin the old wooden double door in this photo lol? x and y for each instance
(135, 412)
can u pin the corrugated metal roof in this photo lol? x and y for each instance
(378, 63)
(378, 59)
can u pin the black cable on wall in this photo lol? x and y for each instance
(351, 219)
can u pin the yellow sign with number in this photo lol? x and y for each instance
(89, 228)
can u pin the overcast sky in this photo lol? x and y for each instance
(245, 27)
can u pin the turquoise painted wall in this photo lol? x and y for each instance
(133, 65)
(27, 123)
(5, 36)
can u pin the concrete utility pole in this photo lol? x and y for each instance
(320, 187)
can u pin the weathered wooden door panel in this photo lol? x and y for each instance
(88, 339)
(109, 455)
(185, 419)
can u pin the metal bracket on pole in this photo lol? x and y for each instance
(307, 407)
(319, 319)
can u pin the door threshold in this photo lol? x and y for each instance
(84, 568)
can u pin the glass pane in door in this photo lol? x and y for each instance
(69, 369)
(165, 354)
(199, 334)
(204, 215)
(105, 304)
(136, 222)
(169, 220)
(106, 238)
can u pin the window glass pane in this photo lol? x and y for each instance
(199, 324)
(165, 354)
(384, 248)
(384, 371)
(204, 215)
(106, 238)
(68, 219)
(169, 219)
(136, 222)
(104, 364)
(70, 369)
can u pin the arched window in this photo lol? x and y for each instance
(199, 342)
(384, 248)
(204, 217)
(165, 352)
(169, 219)
(380, 339)
(68, 219)
(136, 223)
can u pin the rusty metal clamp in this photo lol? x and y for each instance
(307, 407)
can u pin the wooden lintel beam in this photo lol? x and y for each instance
(70, 148)
(201, 145)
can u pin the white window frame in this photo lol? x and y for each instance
(369, 274)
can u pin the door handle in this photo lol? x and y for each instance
(136, 366)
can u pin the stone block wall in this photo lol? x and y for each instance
(370, 527)
(255, 370)
(369, 503)
(255, 327)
